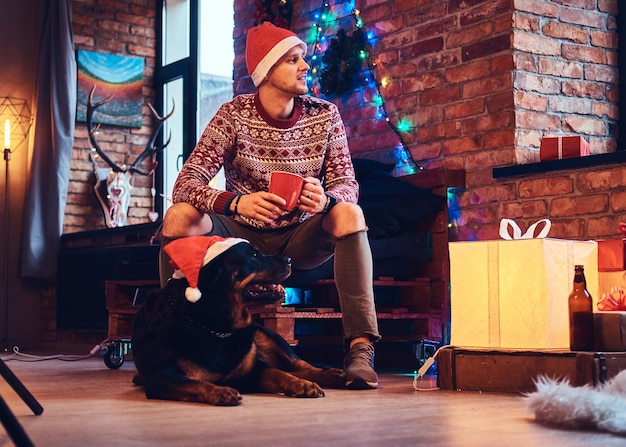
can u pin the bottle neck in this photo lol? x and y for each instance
(579, 282)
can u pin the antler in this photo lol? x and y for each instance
(91, 107)
(150, 147)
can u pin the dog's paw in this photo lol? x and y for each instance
(223, 396)
(333, 378)
(329, 377)
(304, 388)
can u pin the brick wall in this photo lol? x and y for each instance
(566, 73)
(122, 28)
(482, 81)
(565, 55)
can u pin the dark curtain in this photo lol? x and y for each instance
(52, 147)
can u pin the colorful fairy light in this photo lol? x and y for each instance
(404, 125)
(328, 66)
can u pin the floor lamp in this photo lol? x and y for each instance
(15, 123)
(15, 120)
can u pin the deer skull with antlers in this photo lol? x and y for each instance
(114, 183)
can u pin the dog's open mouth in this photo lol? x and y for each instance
(264, 292)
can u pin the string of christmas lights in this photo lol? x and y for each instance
(337, 68)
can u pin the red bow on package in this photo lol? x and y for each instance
(615, 300)
(622, 228)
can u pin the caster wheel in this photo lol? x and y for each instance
(114, 358)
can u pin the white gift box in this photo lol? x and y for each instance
(513, 293)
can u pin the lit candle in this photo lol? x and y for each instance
(7, 134)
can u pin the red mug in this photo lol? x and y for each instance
(288, 186)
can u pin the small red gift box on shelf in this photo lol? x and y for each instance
(556, 148)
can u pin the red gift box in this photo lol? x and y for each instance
(611, 255)
(556, 148)
(612, 252)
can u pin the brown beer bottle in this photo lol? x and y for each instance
(580, 313)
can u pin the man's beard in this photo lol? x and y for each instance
(295, 89)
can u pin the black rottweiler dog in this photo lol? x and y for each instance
(210, 350)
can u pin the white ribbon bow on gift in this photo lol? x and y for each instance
(517, 232)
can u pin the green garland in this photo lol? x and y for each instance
(343, 64)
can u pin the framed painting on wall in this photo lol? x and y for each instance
(119, 78)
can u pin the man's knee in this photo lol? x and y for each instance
(344, 219)
(182, 219)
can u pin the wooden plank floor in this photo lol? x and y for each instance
(87, 404)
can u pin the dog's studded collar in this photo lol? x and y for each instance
(210, 331)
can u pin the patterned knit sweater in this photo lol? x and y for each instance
(250, 144)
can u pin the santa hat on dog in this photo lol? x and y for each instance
(189, 254)
(265, 45)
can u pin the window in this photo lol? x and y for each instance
(193, 74)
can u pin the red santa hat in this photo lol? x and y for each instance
(189, 254)
(265, 45)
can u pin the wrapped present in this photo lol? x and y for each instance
(613, 300)
(607, 281)
(557, 148)
(609, 324)
(513, 293)
(609, 331)
(611, 252)
(611, 255)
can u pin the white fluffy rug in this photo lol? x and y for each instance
(602, 407)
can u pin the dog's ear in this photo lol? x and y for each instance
(223, 271)
(214, 276)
